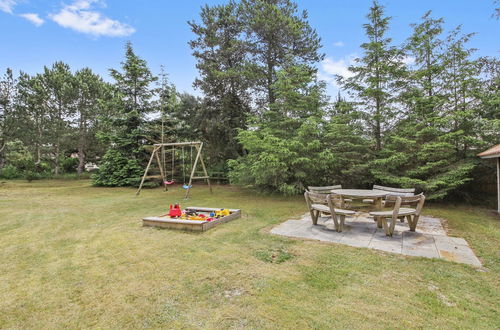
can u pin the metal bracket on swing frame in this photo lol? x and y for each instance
(199, 157)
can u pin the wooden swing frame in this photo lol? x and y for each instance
(199, 158)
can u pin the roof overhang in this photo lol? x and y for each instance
(493, 152)
(491, 156)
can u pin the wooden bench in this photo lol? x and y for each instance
(316, 204)
(411, 214)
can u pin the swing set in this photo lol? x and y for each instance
(160, 148)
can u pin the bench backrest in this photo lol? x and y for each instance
(324, 189)
(417, 200)
(316, 198)
(403, 192)
(406, 200)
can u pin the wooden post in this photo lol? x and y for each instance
(205, 169)
(498, 183)
(160, 165)
(146, 171)
(193, 170)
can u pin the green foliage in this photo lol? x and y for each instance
(433, 148)
(69, 164)
(276, 163)
(121, 165)
(377, 75)
(31, 175)
(117, 170)
(416, 124)
(10, 172)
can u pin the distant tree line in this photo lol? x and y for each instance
(264, 115)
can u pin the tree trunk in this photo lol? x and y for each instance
(378, 125)
(2, 158)
(81, 160)
(56, 169)
(270, 71)
(81, 147)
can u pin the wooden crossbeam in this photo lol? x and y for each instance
(199, 158)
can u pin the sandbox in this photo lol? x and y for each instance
(191, 225)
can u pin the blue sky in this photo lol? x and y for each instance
(93, 32)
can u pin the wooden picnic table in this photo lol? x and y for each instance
(376, 195)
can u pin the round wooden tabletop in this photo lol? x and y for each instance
(360, 193)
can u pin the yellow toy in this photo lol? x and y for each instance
(196, 217)
(222, 213)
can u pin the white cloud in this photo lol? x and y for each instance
(33, 18)
(7, 5)
(81, 17)
(338, 67)
(409, 60)
(338, 44)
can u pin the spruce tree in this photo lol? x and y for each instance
(377, 75)
(122, 164)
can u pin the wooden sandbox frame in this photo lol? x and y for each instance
(191, 225)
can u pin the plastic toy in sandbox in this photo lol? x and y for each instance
(192, 218)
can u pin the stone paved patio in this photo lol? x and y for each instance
(429, 240)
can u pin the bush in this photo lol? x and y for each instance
(31, 175)
(18, 156)
(10, 172)
(69, 164)
(117, 170)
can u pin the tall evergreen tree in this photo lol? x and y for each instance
(34, 115)
(347, 148)
(377, 74)
(121, 165)
(285, 146)
(224, 78)
(8, 95)
(411, 148)
(277, 34)
(60, 93)
(92, 93)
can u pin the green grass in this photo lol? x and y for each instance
(76, 256)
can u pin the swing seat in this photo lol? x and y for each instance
(169, 182)
(185, 186)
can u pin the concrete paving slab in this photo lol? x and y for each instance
(450, 240)
(416, 251)
(382, 242)
(429, 240)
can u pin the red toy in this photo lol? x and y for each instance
(175, 211)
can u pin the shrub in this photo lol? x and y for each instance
(69, 164)
(31, 175)
(117, 170)
(10, 172)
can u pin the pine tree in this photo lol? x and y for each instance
(377, 74)
(225, 78)
(347, 149)
(59, 90)
(409, 156)
(92, 92)
(285, 146)
(33, 114)
(276, 35)
(122, 164)
(8, 95)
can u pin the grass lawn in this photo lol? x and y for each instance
(76, 256)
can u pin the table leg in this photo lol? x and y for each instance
(378, 203)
